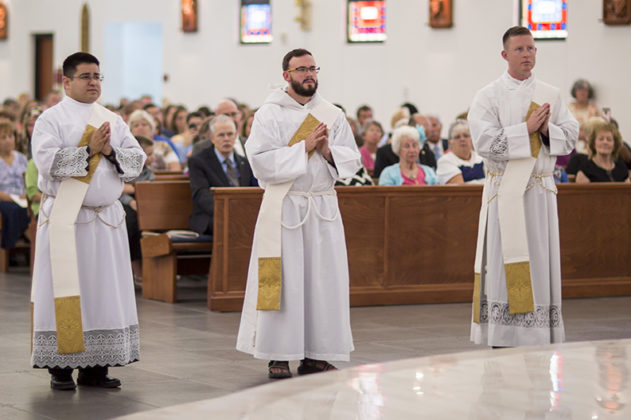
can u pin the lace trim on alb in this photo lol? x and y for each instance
(499, 145)
(130, 162)
(115, 347)
(70, 161)
(497, 313)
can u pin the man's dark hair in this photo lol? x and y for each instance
(72, 61)
(362, 108)
(9, 101)
(514, 31)
(298, 52)
(205, 111)
(149, 105)
(411, 107)
(194, 114)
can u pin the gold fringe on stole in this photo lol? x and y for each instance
(477, 286)
(535, 140)
(94, 160)
(69, 327)
(519, 288)
(269, 284)
(308, 125)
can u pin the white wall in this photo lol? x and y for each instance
(439, 70)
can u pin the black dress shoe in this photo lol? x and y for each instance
(61, 379)
(97, 377)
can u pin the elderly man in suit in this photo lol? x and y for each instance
(216, 166)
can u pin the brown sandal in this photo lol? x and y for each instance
(278, 370)
(308, 366)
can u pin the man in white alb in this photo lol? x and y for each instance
(519, 125)
(297, 296)
(83, 301)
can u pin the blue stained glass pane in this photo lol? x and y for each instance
(564, 26)
(564, 5)
(529, 6)
(539, 26)
(529, 26)
(553, 26)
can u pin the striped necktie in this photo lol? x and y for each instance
(231, 171)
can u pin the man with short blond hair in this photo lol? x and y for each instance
(519, 125)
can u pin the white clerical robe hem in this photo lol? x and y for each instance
(104, 347)
(340, 357)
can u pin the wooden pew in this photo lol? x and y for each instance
(165, 206)
(417, 244)
(171, 177)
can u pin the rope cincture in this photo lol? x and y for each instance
(96, 210)
(309, 195)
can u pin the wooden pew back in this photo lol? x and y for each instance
(417, 244)
(164, 205)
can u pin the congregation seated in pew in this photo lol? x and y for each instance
(141, 123)
(15, 218)
(130, 205)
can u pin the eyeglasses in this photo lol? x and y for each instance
(86, 77)
(304, 70)
(193, 126)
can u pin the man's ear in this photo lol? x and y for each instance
(286, 76)
(504, 55)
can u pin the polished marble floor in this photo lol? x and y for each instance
(584, 380)
(188, 352)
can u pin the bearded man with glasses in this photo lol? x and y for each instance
(297, 295)
(83, 302)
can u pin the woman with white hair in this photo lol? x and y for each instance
(406, 143)
(141, 123)
(462, 165)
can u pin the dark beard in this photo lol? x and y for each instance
(309, 92)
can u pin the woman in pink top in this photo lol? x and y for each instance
(372, 132)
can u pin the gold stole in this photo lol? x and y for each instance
(270, 268)
(68, 308)
(518, 277)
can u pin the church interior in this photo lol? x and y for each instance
(411, 249)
